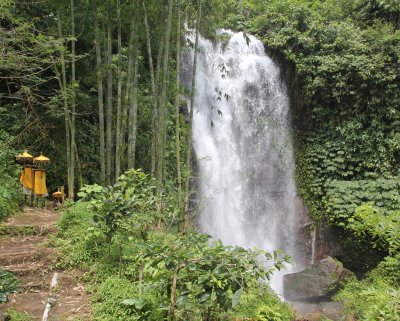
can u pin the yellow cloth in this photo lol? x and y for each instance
(27, 177)
(57, 194)
(40, 187)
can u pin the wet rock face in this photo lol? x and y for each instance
(303, 239)
(314, 282)
(326, 242)
(315, 241)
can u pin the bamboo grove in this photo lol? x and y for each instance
(106, 95)
(118, 111)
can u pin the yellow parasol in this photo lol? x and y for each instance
(41, 159)
(24, 156)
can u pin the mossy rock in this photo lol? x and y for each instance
(314, 282)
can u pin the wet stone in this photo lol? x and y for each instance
(314, 283)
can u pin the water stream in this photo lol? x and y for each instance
(243, 146)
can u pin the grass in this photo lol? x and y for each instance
(13, 315)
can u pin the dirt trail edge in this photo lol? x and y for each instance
(25, 251)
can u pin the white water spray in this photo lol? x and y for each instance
(242, 142)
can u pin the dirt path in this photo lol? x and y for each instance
(25, 250)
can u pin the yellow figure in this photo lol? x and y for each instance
(27, 178)
(40, 187)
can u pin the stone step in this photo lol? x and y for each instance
(20, 230)
(16, 250)
(23, 270)
(19, 257)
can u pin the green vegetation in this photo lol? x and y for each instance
(142, 268)
(8, 284)
(377, 296)
(10, 196)
(341, 60)
(12, 315)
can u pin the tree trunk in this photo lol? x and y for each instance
(153, 91)
(177, 101)
(63, 87)
(190, 136)
(156, 135)
(118, 136)
(163, 110)
(132, 120)
(157, 112)
(109, 97)
(126, 102)
(100, 94)
(172, 301)
(73, 101)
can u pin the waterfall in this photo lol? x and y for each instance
(242, 142)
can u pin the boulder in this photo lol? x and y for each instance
(313, 283)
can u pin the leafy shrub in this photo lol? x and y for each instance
(111, 303)
(262, 304)
(79, 246)
(383, 227)
(127, 205)
(371, 299)
(344, 197)
(209, 278)
(377, 297)
(75, 218)
(8, 285)
(143, 270)
(9, 188)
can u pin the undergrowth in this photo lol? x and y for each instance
(377, 296)
(8, 284)
(10, 196)
(140, 267)
(13, 315)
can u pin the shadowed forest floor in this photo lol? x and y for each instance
(25, 250)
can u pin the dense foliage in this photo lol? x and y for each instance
(142, 269)
(8, 284)
(341, 60)
(9, 189)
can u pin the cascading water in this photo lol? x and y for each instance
(242, 142)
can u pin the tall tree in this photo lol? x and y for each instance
(153, 90)
(163, 107)
(127, 96)
(190, 134)
(118, 136)
(63, 87)
(109, 96)
(132, 119)
(156, 114)
(100, 94)
(73, 102)
(177, 101)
